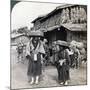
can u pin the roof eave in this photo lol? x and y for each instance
(57, 8)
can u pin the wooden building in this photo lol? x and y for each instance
(66, 22)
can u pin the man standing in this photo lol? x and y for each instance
(34, 53)
(62, 63)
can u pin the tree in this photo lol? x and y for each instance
(22, 30)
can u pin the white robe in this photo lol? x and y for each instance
(30, 47)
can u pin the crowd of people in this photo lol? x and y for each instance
(39, 55)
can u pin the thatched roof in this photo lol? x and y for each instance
(68, 26)
(38, 18)
(75, 27)
(42, 17)
(55, 10)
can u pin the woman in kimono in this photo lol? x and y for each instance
(62, 63)
(34, 52)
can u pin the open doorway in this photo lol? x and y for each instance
(56, 34)
(61, 34)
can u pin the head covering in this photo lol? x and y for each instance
(36, 33)
(62, 43)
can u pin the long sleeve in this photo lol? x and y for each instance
(42, 50)
(27, 49)
(67, 57)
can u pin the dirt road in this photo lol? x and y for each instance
(48, 79)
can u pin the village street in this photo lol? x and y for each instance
(49, 77)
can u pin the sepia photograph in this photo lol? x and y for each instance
(48, 44)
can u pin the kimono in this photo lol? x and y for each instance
(62, 65)
(34, 54)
